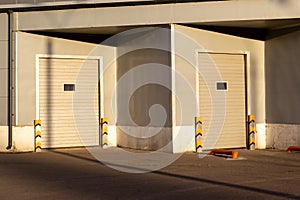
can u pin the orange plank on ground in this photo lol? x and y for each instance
(293, 148)
(234, 154)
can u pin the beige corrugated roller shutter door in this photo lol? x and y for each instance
(58, 86)
(231, 93)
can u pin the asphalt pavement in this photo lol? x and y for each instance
(76, 174)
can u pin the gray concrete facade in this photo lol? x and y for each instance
(271, 64)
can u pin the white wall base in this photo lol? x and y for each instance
(260, 136)
(3, 138)
(281, 136)
(22, 139)
(112, 136)
(145, 138)
(183, 139)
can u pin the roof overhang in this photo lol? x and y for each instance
(256, 19)
(32, 5)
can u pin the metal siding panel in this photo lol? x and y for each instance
(56, 105)
(231, 68)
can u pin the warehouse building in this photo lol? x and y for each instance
(72, 63)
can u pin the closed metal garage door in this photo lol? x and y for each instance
(222, 100)
(62, 96)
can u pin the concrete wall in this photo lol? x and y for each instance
(151, 15)
(282, 90)
(215, 42)
(281, 136)
(143, 68)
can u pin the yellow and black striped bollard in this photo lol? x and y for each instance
(198, 133)
(104, 132)
(37, 135)
(251, 132)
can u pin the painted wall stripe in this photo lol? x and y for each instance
(37, 135)
(104, 132)
(198, 133)
(251, 132)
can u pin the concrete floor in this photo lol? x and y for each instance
(75, 174)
